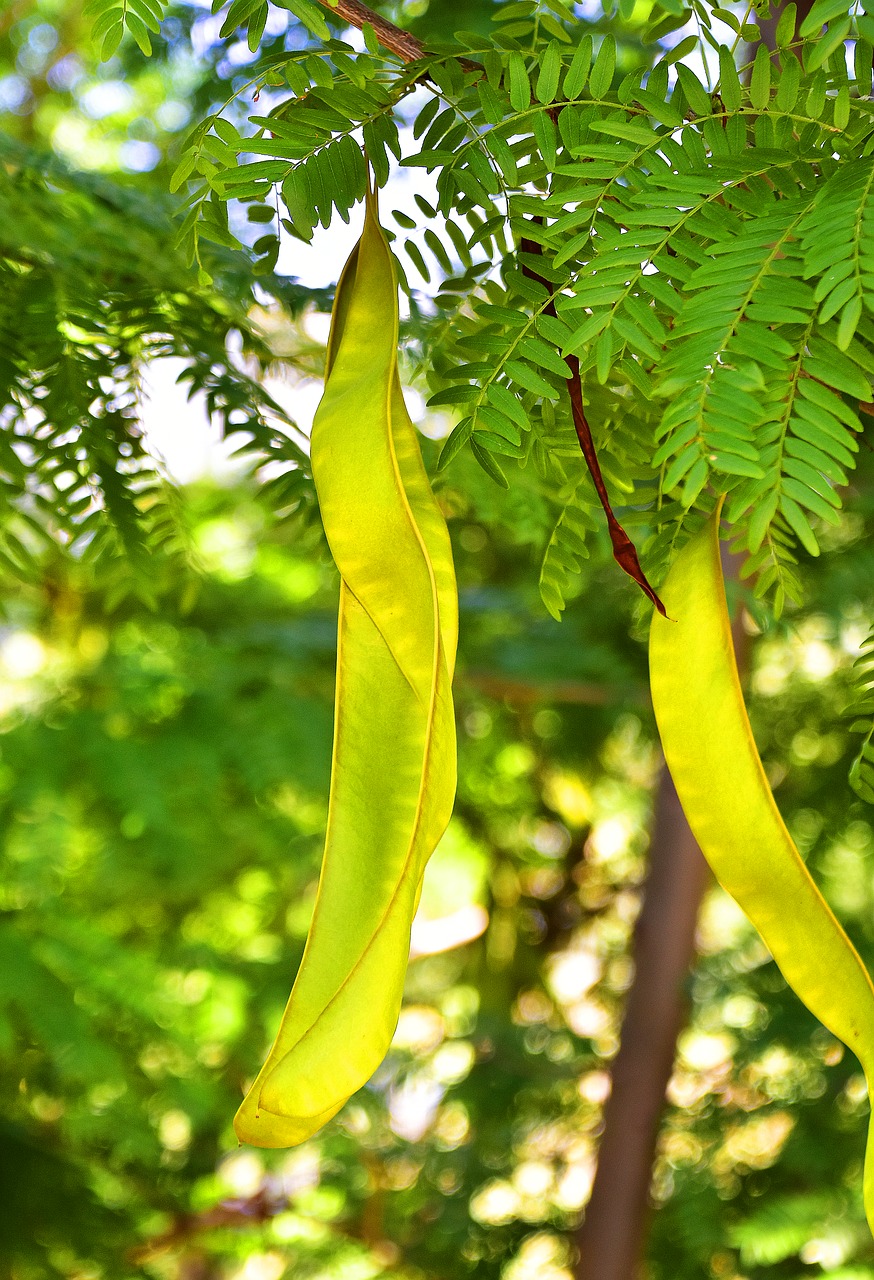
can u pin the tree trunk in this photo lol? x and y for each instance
(611, 1238)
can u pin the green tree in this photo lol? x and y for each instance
(649, 239)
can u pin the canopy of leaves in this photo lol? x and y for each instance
(704, 246)
(91, 291)
(699, 200)
(164, 770)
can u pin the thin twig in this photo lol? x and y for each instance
(528, 691)
(611, 1238)
(393, 38)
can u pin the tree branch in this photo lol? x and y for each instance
(529, 692)
(393, 38)
(611, 1238)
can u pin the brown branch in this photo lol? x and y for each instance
(530, 692)
(393, 38)
(611, 1238)
(624, 551)
(238, 1213)
(235, 1213)
(183, 1236)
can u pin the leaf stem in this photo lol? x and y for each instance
(624, 551)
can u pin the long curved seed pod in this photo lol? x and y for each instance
(712, 757)
(393, 771)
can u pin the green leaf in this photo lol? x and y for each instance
(825, 46)
(437, 248)
(565, 550)
(601, 77)
(151, 16)
(519, 84)
(616, 128)
(498, 423)
(550, 71)
(530, 379)
(489, 465)
(760, 80)
(545, 134)
(553, 28)
(849, 322)
(257, 23)
(830, 366)
(494, 443)
(575, 79)
(490, 102)
(425, 117)
(696, 95)
(542, 354)
(863, 58)
(462, 394)
(729, 81)
(111, 41)
(680, 50)
(861, 711)
(821, 12)
(311, 17)
(504, 400)
(799, 524)
(183, 170)
(504, 157)
(785, 33)
(455, 442)
(665, 113)
(239, 12)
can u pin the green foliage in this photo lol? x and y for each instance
(566, 546)
(164, 789)
(862, 772)
(113, 17)
(708, 247)
(705, 250)
(706, 254)
(780, 1229)
(92, 291)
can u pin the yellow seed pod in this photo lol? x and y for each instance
(393, 770)
(710, 751)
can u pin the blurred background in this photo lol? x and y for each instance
(164, 765)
